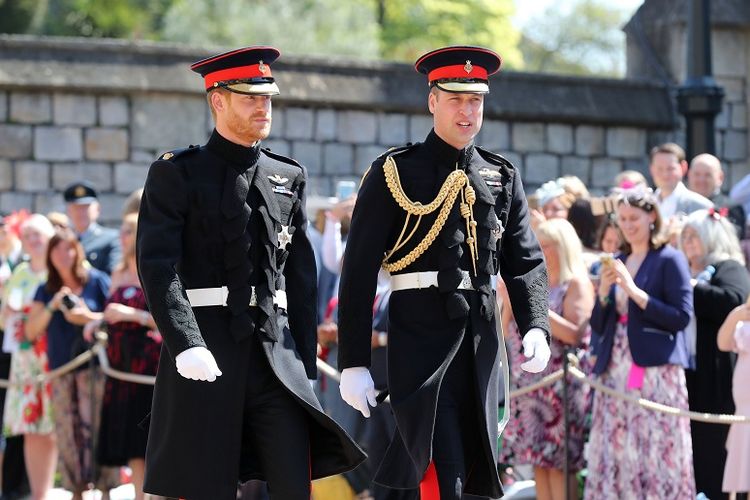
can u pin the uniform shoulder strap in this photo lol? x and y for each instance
(495, 158)
(397, 150)
(177, 153)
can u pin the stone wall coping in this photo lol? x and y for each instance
(109, 66)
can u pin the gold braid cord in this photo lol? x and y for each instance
(445, 200)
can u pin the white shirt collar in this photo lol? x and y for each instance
(668, 204)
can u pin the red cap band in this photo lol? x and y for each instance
(239, 73)
(458, 71)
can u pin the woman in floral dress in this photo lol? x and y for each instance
(638, 336)
(28, 408)
(536, 430)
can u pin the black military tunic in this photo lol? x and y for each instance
(228, 215)
(428, 326)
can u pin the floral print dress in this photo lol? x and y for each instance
(132, 348)
(28, 407)
(536, 430)
(633, 452)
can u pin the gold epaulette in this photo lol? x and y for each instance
(457, 182)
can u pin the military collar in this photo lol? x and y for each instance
(90, 231)
(446, 155)
(241, 157)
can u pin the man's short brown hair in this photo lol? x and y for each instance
(208, 98)
(669, 148)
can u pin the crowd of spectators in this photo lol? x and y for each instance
(65, 277)
(640, 280)
(648, 289)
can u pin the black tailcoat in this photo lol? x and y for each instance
(211, 216)
(426, 327)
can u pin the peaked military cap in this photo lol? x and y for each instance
(244, 71)
(460, 68)
(80, 192)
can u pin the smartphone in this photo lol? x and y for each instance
(69, 301)
(344, 189)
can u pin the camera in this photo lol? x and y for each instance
(69, 301)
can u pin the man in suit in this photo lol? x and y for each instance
(229, 275)
(447, 215)
(668, 167)
(101, 244)
(705, 177)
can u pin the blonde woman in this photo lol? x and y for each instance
(535, 434)
(133, 347)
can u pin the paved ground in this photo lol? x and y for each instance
(124, 492)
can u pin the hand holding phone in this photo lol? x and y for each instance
(344, 189)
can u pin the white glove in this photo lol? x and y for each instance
(358, 389)
(536, 348)
(197, 363)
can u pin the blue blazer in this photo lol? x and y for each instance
(656, 334)
(102, 247)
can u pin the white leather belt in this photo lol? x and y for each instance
(203, 297)
(425, 279)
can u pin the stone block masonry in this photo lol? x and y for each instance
(335, 117)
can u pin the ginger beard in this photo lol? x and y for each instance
(248, 117)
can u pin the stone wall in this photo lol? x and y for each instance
(103, 110)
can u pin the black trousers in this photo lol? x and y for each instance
(456, 424)
(709, 440)
(275, 432)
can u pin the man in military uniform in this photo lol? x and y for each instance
(101, 244)
(229, 276)
(442, 217)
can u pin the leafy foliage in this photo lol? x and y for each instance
(584, 39)
(300, 26)
(578, 37)
(411, 28)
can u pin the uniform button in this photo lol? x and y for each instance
(93, 256)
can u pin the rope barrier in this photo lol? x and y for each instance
(547, 380)
(99, 350)
(101, 353)
(68, 367)
(661, 408)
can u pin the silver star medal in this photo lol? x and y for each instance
(284, 237)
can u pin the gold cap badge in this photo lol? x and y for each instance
(468, 67)
(80, 192)
(262, 67)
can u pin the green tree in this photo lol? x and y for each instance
(329, 27)
(411, 28)
(584, 39)
(95, 18)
